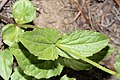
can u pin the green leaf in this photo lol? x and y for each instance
(118, 75)
(40, 42)
(100, 55)
(23, 11)
(34, 67)
(6, 61)
(83, 42)
(10, 34)
(67, 78)
(19, 75)
(74, 64)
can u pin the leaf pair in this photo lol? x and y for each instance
(42, 39)
(23, 12)
(48, 43)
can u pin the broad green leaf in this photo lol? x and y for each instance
(81, 65)
(117, 65)
(83, 42)
(67, 78)
(6, 61)
(19, 75)
(40, 42)
(34, 67)
(23, 11)
(10, 34)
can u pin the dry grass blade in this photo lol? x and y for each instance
(79, 13)
(80, 10)
(117, 2)
(6, 19)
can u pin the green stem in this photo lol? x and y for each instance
(27, 26)
(97, 65)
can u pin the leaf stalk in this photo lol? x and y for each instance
(97, 65)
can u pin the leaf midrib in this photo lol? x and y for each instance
(82, 43)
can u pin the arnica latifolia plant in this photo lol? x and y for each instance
(43, 52)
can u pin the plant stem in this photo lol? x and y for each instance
(98, 65)
(27, 26)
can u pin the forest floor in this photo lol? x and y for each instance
(68, 15)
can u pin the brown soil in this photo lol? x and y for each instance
(68, 15)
